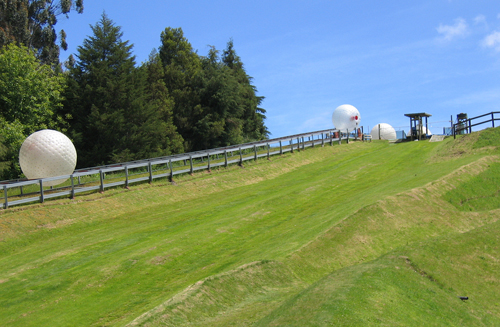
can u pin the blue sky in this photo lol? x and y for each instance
(386, 58)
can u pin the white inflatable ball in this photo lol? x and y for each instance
(47, 153)
(424, 131)
(383, 131)
(346, 117)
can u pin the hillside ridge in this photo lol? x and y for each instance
(320, 237)
(183, 302)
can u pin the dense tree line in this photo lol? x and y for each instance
(32, 23)
(115, 110)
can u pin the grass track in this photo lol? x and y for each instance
(301, 218)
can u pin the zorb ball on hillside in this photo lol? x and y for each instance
(346, 117)
(47, 153)
(383, 131)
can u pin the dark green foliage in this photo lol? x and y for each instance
(177, 101)
(158, 135)
(99, 94)
(13, 22)
(219, 123)
(30, 96)
(181, 64)
(31, 23)
(215, 102)
(120, 113)
(253, 116)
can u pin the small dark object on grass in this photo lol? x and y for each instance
(463, 298)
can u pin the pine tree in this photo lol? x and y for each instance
(100, 88)
(215, 103)
(32, 23)
(159, 135)
(181, 66)
(253, 116)
(221, 124)
(120, 112)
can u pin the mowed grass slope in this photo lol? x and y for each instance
(350, 234)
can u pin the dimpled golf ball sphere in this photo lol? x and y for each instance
(383, 131)
(47, 153)
(346, 117)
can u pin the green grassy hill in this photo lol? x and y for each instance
(359, 234)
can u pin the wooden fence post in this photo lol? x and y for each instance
(150, 167)
(41, 191)
(126, 177)
(101, 178)
(72, 187)
(6, 197)
(171, 171)
(191, 164)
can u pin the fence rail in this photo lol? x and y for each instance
(97, 179)
(466, 125)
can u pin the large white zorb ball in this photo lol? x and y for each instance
(346, 117)
(383, 131)
(47, 153)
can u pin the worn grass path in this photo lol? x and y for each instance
(237, 245)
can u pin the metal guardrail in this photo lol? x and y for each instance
(97, 179)
(466, 125)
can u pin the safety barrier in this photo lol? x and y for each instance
(466, 125)
(97, 179)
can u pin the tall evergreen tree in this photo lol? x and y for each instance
(100, 88)
(157, 135)
(253, 116)
(221, 122)
(32, 23)
(181, 65)
(215, 103)
(120, 112)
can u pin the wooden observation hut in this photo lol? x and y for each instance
(416, 123)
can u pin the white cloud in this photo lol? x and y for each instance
(492, 41)
(480, 19)
(449, 32)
